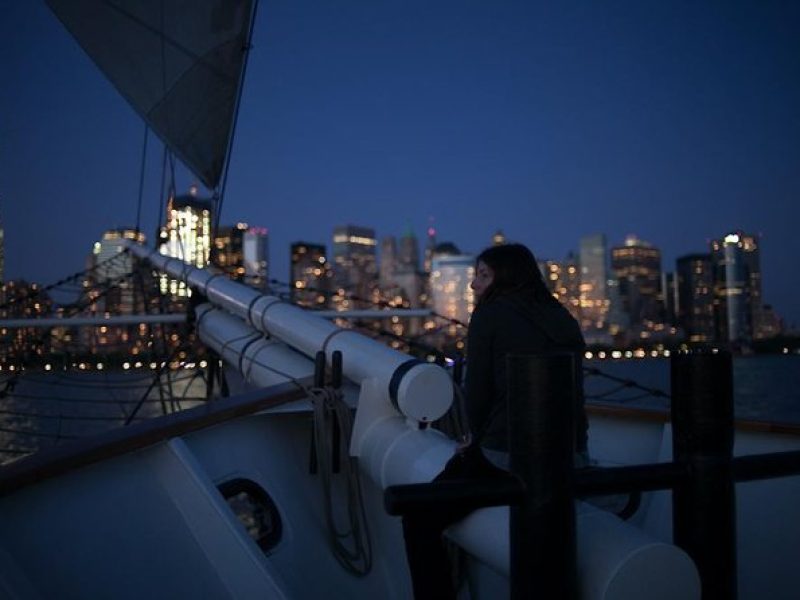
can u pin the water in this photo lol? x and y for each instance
(40, 410)
(766, 387)
(44, 409)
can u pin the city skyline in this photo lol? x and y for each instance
(675, 123)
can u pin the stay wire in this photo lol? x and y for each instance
(248, 44)
(141, 178)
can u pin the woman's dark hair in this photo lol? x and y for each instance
(515, 269)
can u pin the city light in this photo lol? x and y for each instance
(731, 238)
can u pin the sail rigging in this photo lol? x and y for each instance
(180, 69)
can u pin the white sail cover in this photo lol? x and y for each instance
(178, 62)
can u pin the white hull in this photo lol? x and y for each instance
(152, 523)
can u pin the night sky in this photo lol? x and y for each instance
(676, 121)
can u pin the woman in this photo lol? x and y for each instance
(515, 313)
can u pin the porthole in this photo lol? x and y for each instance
(255, 510)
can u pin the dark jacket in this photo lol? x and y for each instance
(514, 323)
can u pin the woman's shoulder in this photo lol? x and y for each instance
(550, 318)
(489, 310)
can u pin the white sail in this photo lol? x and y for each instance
(177, 62)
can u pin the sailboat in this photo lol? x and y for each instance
(279, 490)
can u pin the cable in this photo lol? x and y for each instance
(37, 434)
(624, 383)
(64, 417)
(41, 290)
(329, 408)
(68, 400)
(380, 303)
(141, 178)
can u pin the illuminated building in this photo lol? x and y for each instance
(593, 275)
(2, 254)
(114, 286)
(388, 265)
(242, 252)
(450, 285)
(256, 257)
(355, 270)
(563, 280)
(228, 252)
(112, 266)
(186, 236)
(695, 305)
(771, 323)
(22, 300)
(430, 248)
(499, 238)
(426, 296)
(737, 287)
(310, 275)
(408, 253)
(637, 267)
(669, 297)
(618, 318)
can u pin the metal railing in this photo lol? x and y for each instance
(543, 484)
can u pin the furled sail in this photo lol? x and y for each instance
(178, 63)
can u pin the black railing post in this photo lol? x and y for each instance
(541, 406)
(704, 506)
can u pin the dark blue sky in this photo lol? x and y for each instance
(677, 121)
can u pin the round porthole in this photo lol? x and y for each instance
(255, 510)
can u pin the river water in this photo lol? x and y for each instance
(40, 409)
(45, 409)
(766, 387)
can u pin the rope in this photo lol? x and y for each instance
(351, 544)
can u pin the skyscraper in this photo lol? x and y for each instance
(402, 285)
(2, 253)
(695, 306)
(563, 279)
(450, 284)
(593, 275)
(115, 286)
(388, 265)
(737, 287)
(113, 266)
(187, 236)
(637, 268)
(256, 257)
(355, 270)
(241, 251)
(310, 275)
(22, 300)
(669, 297)
(408, 253)
(430, 248)
(228, 252)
